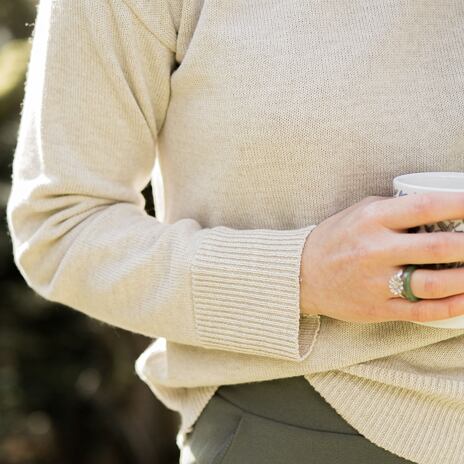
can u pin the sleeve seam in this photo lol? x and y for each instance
(315, 335)
(143, 23)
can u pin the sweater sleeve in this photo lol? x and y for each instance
(96, 95)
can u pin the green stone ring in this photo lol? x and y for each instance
(406, 277)
(400, 283)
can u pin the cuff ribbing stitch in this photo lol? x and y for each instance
(246, 293)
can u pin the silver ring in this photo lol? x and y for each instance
(396, 284)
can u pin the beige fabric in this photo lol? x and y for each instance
(255, 121)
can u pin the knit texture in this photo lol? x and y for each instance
(255, 121)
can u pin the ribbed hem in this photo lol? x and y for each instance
(246, 293)
(424, 428)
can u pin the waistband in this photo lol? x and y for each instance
(291, 400)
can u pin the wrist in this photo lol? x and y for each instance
(307, 307)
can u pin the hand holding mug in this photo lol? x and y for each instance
(349, 258)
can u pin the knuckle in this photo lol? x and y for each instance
(447, 309)
(418, 312)
(435, 247)
(451, 309)
(371, 212)
(423, 204)
(432, 286)
(431, 311)
(377, 251)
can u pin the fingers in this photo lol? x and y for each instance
(399, 309)
(419, 209)
(427, 248)
(432, 284)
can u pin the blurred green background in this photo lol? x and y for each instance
(68, 388)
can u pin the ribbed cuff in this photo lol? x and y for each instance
(246, 293)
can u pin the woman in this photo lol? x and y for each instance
(272, 131)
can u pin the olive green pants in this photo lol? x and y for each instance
(282, 421)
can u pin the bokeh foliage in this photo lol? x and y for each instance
(68, 388)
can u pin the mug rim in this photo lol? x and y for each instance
(410, 181)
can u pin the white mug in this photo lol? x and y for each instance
(425, 182)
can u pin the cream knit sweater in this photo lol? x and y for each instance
(256, 120)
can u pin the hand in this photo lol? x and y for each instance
(349, 258)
